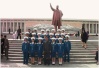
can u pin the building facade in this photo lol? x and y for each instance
(13, 24)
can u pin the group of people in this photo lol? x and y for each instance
(46, 46)
(4, 46)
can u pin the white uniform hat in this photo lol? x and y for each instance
(53, 30)
(59, 30)
(42, 30)
(47, 30)
(67, 36)
(56, 34)
(25, 37)
(51, 34)
(40, 38)
(35, 29)
(33, 33)
(26, 32)
(60, 38)
(39, 34)
(33, 38)
(53, 38)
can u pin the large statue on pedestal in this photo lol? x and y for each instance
(57, 14)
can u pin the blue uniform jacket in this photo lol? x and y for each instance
(67, 46)
(32, 48)
(50, 40)
(29, 39)
(57, 41)
(54, 47)
(25, 47)
(39, 47)
(60, 47)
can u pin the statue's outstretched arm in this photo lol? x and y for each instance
(52, 7)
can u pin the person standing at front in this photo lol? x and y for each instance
(32, 50)
(39, 50)
(6, 45)
(25, 50)
(54, 50)
(67, 48)
(60, 50)
(47, 51)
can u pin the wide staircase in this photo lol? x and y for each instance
(78, 54)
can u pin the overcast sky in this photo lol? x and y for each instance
(72, 9)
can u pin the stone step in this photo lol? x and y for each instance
(71, 62)
(71, 59)
(71, 48)
(13, 52)
(72, 56)
(71, 43)
(85, 50)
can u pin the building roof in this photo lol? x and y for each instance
(30, 19)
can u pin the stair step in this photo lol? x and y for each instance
(71, 62)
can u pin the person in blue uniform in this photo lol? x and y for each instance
(35, 31)
(59, 32)
(57, 36)
(39, 50)
(44, 37)
(34, 35)
(53, 51)
(51, 35)
(42, 33)
(60, 47)
(47, 32)
(63, 36)
(67, 48)
(53, 31)
(32, 50)
(27, 35)
(25, 50)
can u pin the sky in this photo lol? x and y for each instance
(72, 9)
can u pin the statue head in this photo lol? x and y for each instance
(57, 7)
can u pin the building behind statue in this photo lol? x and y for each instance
(90, 25)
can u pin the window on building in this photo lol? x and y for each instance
(94, 28)
(4, 26)
(97, 28)
(11, 26)
(22, 27)
(90, 28)
(18, 24)
(87, 27)
(1, 26)
(15, 26)
(8, 26)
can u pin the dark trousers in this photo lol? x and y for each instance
(2, 49)
(19, 35)
(25, 57)
(47, 59)
(66, 57)
(6, 52)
